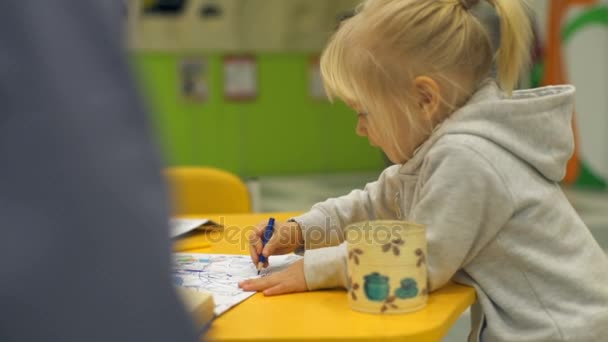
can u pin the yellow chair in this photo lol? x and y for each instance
(203, 190)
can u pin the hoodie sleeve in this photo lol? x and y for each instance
(464, 202)
(325, 268)
(323, 226)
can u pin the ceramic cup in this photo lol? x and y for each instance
(387, 270)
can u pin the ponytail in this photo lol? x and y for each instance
(374, 57)
(515, 41)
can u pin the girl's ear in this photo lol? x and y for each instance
(428, 96)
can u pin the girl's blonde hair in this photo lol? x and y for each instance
(374, 56)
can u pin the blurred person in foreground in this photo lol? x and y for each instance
(84, 250)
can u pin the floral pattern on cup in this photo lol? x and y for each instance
(421, 257)
(394, 246)
(352, 288)
(354, 255)
(389, 303)
(385, 273)
(376, 287)
(408, 289)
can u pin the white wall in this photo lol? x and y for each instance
(587, 68)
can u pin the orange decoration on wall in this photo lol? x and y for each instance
(555, 72)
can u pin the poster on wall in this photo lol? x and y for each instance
(240, 78)
(193, 79)
(315, 81)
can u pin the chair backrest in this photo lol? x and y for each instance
(205, 190)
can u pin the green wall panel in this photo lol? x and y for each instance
(172, 118)
(283, 131)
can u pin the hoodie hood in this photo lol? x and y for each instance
(535, 125)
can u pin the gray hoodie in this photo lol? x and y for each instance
(486, 186)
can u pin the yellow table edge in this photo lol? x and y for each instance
(246, 315)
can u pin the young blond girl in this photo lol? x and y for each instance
(477, 163)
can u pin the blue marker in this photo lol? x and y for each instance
(265, 238)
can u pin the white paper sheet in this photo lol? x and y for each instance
(220, 274)
(179, 226)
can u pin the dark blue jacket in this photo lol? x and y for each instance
(84, 250)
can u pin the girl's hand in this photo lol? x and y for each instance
(287, 238)
(289, 280)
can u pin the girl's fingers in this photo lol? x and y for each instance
(271, 246)
(259, 284)
(246, 285)
(277, 289)
(280, 241)
(287, 281)
(254, 254)
(255, 243)
(255, 240)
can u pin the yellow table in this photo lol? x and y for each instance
(320, 315)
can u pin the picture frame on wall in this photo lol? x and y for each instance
(193, 79)
(240, 78)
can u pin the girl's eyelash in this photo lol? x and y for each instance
(362, 113)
